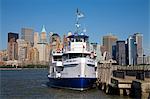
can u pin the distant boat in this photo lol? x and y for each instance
(73, 67)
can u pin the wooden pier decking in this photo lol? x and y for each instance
(122, 83)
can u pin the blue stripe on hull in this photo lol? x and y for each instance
(72, 83)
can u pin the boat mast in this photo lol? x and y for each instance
(78, 16)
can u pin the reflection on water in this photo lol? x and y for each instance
(31, 84)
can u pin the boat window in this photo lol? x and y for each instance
(78, 39)
(52, 69)
(72, 40)
(76, 55)
(65, 56)
(57, 58)
(86, 39)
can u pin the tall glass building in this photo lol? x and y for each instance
(121, 52)
(27, 35)
(138, 38)
(132, 51)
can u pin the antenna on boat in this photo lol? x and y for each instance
(79, 15)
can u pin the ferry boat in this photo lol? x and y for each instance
(73, 67)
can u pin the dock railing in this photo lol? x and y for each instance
(105, 71)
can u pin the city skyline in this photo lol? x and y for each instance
(121, 18)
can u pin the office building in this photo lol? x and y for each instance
(132, 51)
(13, 36)
(1, 56)
(147, 60)
(121, 52)
(93, 49)
(43, 51)
(43, 35)
(36, 38)
(114, 52)
(98, 53)
(108, 42)
(12, 46)
(22, 50)
(41, 47)
(4, 55)
(55, 42)
(103, 49)
(33, 57)
(27, 35)
(138, 37)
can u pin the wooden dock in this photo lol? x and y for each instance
(142, 87)
(115, 80)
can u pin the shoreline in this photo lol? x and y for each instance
(19, 68)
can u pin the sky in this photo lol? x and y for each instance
(102, 17)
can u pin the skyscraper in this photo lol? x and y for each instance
(93, 49)
(43, 52)
(114, 52)
(22, 50)
(11, 36)
(121, 52)
(33, 55)
(36, 38)
(12, 46)
(27, 35)
(55, 40)
(41, 46)
(132, 51)
(138, 37)
(108, 42)
(43, 34)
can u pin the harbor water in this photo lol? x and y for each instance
(32, 84)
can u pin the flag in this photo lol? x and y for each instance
(79, 14)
